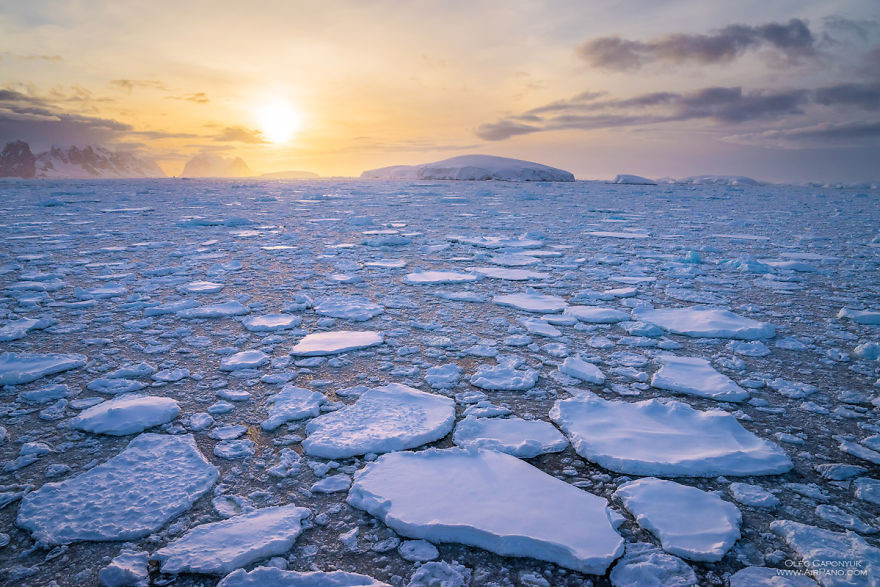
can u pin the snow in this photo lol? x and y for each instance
(753, 495)
(127, 414)
(868, 489)
(505, 376)
(532, 302)
(521, 438)
(271, 322)
(472, 168)
(263, 576)
(453, 496)
(17, 329)
(706, 322)
(817, 544)
(339, 341)
(120, 499)
(633, 180)
(645, 565)
(665, 438)
(354, 308)
(695, 376)
(221, 547)
(291, 403)
(580, 369)
(383, 419)
(222, 310)
(331, 484)
(509, 274)
(689, 522)
(871, 317)
(443, 376)
(18, 368)
(435, 277)
(244, 360)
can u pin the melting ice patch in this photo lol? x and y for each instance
(453, 496)
(156, 478)
(339, 341)
(383, 419)
(665, 438)
(707, 323)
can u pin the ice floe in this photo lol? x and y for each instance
(354, 308)
(383, 419)
(706, 322)
(291, 403)
(532, 302)
(18, 368)
(665, 438)
(436, 277)
(454, 495)
(271, 322)
(514, 436)
(695, 376)
(121, 499)
(244, 360)
(127, 414)
(264, 576)
(339, 341)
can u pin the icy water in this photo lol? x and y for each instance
(503, 301)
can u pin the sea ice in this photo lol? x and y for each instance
(753, 495)
(645, 565)
(532, 302)
(504, 377)
(433, 277)
(389, 418)
(291, 403)
(706, 322)
(597, 315)
(17, 329)
(689, 522)
(871, 317)
(265, 576)
(768, 577)
(443, 376)
(244, 360)
(127, 414)
(156, 478)
(508, 274)
(223, 310)
(354, 308)
(695, 376)
(580, 369)
(220, 547)
(514, 436)
(271, 322)
(339, 341)
(488, 499)
(665, 438)
(18, 368)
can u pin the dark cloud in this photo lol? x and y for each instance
(865, 96)
(794, 40)
(240, 134)
(582, 98)
(847, 134)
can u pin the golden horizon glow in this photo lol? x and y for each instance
(279, 120)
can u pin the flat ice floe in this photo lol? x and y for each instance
(220, 547)
(127, 414)
(508, 274)
(292, 403)
(354, 308)
(580, 369)
(597, 315)
(532, 302)
(645, 565)
(467, 497)
(264, 576)
(223, 310)
(689, 522)
(271, 322)
(244, 360)
(817, 544)
(707, 323)
(18, 368)
(505, 376)
(514, 436)
(695, 376)
(156, 478)
(338, 341)
(433, 277)
(383, 419)
(665, 438)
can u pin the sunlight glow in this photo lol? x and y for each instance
(279, 120)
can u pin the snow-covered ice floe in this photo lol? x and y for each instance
(532, 302)
(707, 323)
(156, 478)
(219, 547)
(127, 414)
(490, 500)
(292, 403)
(695, 376)
(354, 308)
(266, 576)
(18, 368)
(383, 419)
(338, 341)
(689, 522)
(665, 438)
(514, 436)
(438, 277)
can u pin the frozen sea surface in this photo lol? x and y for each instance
(252, 318)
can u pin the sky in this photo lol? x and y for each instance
(786, 90)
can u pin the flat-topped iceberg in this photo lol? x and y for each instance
(383, 419)
(473, 168)
(490, 500)
(339, 341)
(156, 478)
(690, 523)
(665, 438)
(706, 323)
(629, 179)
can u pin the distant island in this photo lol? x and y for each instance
(91, 162)
(472, 168)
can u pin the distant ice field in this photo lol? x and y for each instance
(410, 382)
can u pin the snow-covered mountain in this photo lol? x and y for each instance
(210, 165)
(473, 168)
(89, 162)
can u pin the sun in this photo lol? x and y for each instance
(278, 120)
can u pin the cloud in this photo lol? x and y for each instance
(794, 40)
(865, 96)
(198, 98)
(130, 84)
(847, 134)
(240, 134)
